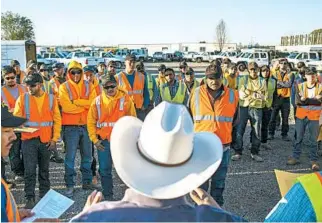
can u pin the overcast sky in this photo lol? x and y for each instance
(106, 22)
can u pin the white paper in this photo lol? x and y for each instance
(52, 205)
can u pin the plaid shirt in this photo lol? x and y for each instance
(173, 91)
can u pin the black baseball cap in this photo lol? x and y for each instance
(183, 64)
(130, 57)
(8, 120)
(57, 66)
(88, 68)
(213, 71)
(33, 78)
(101, 63)
(111, 63)
(161, 67)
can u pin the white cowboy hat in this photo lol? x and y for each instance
(163, 158)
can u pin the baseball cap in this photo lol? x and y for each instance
(311, 71)
(183, 64)
(8, 120)
(58, 66)
(88, 68)
(252, 65)
(161, 67)
(213, 71)
(130, 57)
(7, 70)
(101, 63)
(33, 78)
(14, 63)
(107, 78)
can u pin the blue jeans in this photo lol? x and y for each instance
(218, 179)
(105, 168)
(74, 137)
(313, 127)
(255, 115)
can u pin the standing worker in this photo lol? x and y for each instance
(269, 101)
(9, 94)
(190, 81)
(284, 85)
(75, 96)
(151, 84)
(214, 108)
(42, 112)
(230, 77)
(183, 67)
(136, 85)
(20, 75)
(252, 91)
(58, 77)
(101, 70)
(105, 110)
(161, 78)
(173, 91)
(9, 208)
(309, 101)
(111, 67)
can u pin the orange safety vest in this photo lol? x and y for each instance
(11, 206)
(283, 92)
(218, 120)
(55, 85)
(43, 121)
(9, 99)
(78, 118)
(106, 121)
(312, 112)
(138, 87)
(98, 89)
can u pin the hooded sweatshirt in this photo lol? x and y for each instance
(79, 105)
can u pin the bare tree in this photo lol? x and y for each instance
(221, 34)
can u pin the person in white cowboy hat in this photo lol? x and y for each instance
(161, 161)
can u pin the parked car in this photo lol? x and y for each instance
(261, 58)
(82, 57)
(119, 61)
(177, 56)
(188, 56)
(201, 57)
(305, 57)
(52, 57)
(168, 57)
(157, 56)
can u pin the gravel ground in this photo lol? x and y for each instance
(251, 188)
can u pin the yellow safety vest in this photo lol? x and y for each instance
(270, 92)
(312, 184)
(47, 87)
(195, 85)
(178, 98)
(150, 85)
(249, 102)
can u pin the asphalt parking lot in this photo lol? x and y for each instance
(251, 188)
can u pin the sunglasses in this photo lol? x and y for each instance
(74, 72)
(183, 67)
(168, 74)
(43, 70)
(283, 63)
(10, 78)
(110, 87)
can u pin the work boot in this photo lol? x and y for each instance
(55, 157)
(30, 203)
(266, 146)
(315, 166)
(292, 161)
(236, 157)
(257, 158)
(90, 186)
(270, 137)
(69, 192)
(286, 138)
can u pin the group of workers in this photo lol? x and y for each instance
(80, 108)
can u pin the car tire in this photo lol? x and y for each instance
(118, 65)
(199, 60)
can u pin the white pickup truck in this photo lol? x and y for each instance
(261, 58)
(306, 57)
(201, 57)
(119, 60)
(82, 57)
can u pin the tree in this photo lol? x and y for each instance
(16, 27)
(221, 34)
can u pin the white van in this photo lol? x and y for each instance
(21, 50)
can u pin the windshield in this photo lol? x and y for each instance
(109, 55)
(82, 54)
(292, 55)
(246, 55)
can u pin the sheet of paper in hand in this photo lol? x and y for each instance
(52, 205)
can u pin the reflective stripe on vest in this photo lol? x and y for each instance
(130, 92)
(11, 207)
(46, 87)
(27, 109)
(199, 117)
(311, 108)
(312, 184)
(70, 92)
(98, 108)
